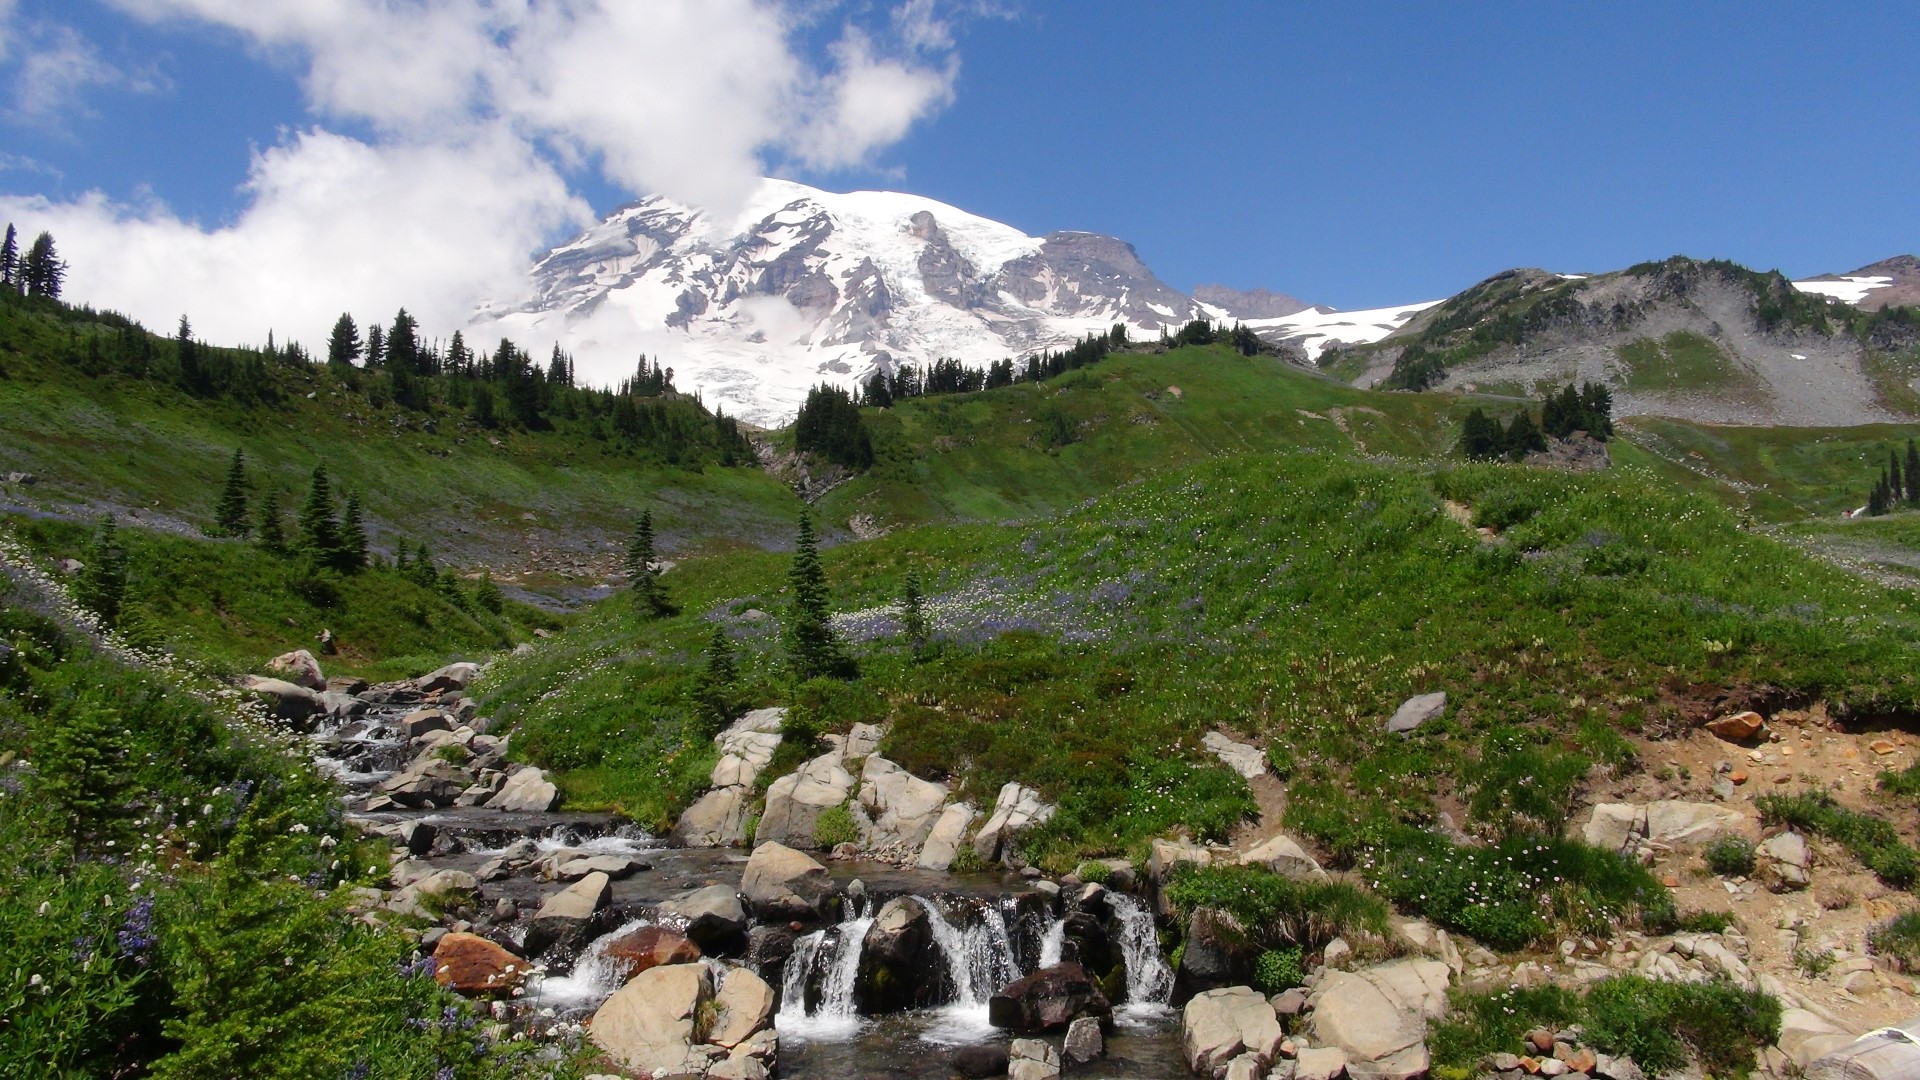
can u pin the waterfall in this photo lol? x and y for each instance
(593, 979)
(1053, 943)
(979, 962)
(1149, 979)
(837, 963)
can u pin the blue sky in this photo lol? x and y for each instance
(1356, 155)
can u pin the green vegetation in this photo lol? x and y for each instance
(1898, 938)
(1684, 362)
(1276, 970)
(835, 827)
(1276, 913)
(1872, 840)
(1730, 856)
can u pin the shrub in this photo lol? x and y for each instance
(1656, 1023)
(1094, 873)
(1279, 912)
(1899, 939)
(1491, 1023)
(1730, 856)
(1872, 840)
(1704, 922)
(1278, 969)
(1506, 506)
(835, 826)
(1905, 783)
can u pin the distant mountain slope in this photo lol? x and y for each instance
(1888, 283)
(1703, 341)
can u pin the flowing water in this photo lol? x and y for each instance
(1054, 943)
(1149, 979)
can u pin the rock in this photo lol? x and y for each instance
(1032, 1059)
(300, 668)
(862, 739)
(1540, 1040)
(1552, 1067)
(441, 884)
(427, 783)
(1290, 1002)
(1246, 760)
(451, 677)
(1615, 826)
(1320, 1063)
(647, 948)
(1336, 951)
(418, 837)
(527, 789)
(948, 833)
(294, 704)
(1048, 1000)
(900, 966)
(714, 917)
(1785, 861)
(422, 721)
(1017, 809)
(616, 867)
(1214, 955)
(746, 747)
(743, 1008)
(1670, 822)
(1379, 1016)
(652, 1022)
(981, 1061)
(1616, 1068)
(1737, 727)
(1416, 711)
(796, 801)
(567, 916)
(902, 806)
(1220, 1025)
(1284, 856)
(470, 964)
(1162, 857)
(505, 910)
(781, 883)
(716, 819)
(1084, 1041)
(1807, 1037)
(740, 1068)
(347, 684)
(342, 707)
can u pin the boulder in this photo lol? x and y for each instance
(746, 747)
(1016, 809)
(567, 917)
(1214, 955)
(652, 1023)
(1737, 727)
(716, 819)
(1220, 1025)
(1283, 855)
(1032, 1059)
(1785, 861)
(1668, 822)
(421, 721)
(743, 1008)
(646, 948)
(1241, 757)
(862, 740)
(740, 1068)
(1379, 1016)
(289, 702)
(796, 801)
(418, 837)
(300, 668)
(1806, 1037)
(347, 684)
(470, 964)
(1883, 1054)
(903, 807)
(1416, 711)
(900, 966)
(981, 1060)
(781, 883)
(429, 782)
(714, 918)
(948, 833)
(1048, 1000)
(342, 707)
(1084, 1041)
(442, 885)
(527, 789)
(616, 867)
(1320, 1063)
(451, 677)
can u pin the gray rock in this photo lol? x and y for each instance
(1084, 1041)
(1016, 809)
(1032, 1059)
(527, 789)
(903, 808)
(651, 1024)
(568, 916)
(1283, 855)
(300, 668)
(452, 677)
(422, 721)
(714, 917)
(716, 819)
(796, 801)
(288, 702)
(1416, 711)
(1241, 757)
(948, 833)
(418, 837)
(1218, 1026)
(1379, 1016)
(781, 883)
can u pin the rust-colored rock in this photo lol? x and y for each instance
(1737, 776)
(1882, 746)
(649, 947)
(1737, 727)
(470, 964)
(1581, 1061)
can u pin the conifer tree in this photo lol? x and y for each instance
(1896, 487)
(1522, 436)
(268, 531)
(813, 649)
(714, 694)
(84, 769)
(10, 259)
(42, 273)
(642, 576)
(343, 345)
(103, 582)
(231, 514)
(913, 615)
(188, 353)
(1480, 436)
(487, 594)
(353, 535)
(319, 530)
(1913, 473)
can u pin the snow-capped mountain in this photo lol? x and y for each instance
(804, 286)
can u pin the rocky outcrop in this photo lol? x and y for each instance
(1379, 1016)
(796, 801)
(948, 833)
(527, 789)
(901, 809)
(781, 883)
(1017, 809)
(899, 962)
(653, 1022)
(1221, 1025)
(1048, 1000)
(1631, 828)
(719, 818)
(716, 819)
(470, 964)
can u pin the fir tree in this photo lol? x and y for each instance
(42, 273)
(1480, 436)
(231, 514)
(103, 582)
(268, 531)
(813, 650)
(353, 535)
(1896, 487)
(85, 776)
(188, 354)
(343, 345)
(714, 693)
(487, 594)
(403, 345)
(10, 259)
(1913, 473)
(913, 614)
(642, 576)
(319, 530)
(1521, 437)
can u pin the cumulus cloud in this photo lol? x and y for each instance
(56, 66)
(477, 108)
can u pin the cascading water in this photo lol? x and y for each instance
(834, 954)
(1149, 979)
(593, 979)
(979, 962)
(1054, 943)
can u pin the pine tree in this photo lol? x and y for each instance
(1896, 487)
(913, 616)
(103, 582)
(343, 345)
(85, 777)
(188, 353)
(714, 694)
(42, 272)
(403, 345)
(319, 530)
(1521, 437)
(10, 259)
(642, 576)
(1480, 436)
(813, 650)
(1913, 473)
(353, 535)
(231, 514)
(487, 594)
(268, 530)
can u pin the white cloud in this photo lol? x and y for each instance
(471, 102)
(56, 67)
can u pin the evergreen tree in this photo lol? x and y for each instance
(913, 614)
(714, 693)
(353, 535)
(103, 582)
(10, 259)
(376, 346)
(43, 274)
(319, 530)
(268, 530)
(1480, 436)
(1896, 487)
(343, 345)
(642, 576)
(1596, 403)
(1913, 473)
(1521, 437)
(403, 345)
(191, 375)
(813, 649)
(231, 514)
(83, 763)
(486, 593)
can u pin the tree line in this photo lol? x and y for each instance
(1896, 485)
(1588, 408)
(40, 272)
